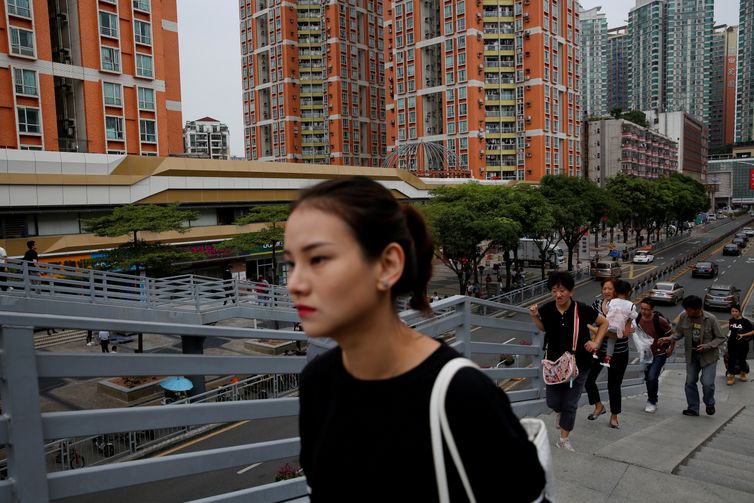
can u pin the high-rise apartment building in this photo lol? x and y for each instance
(99, 76)
(313, 81)
(745, 81)
(647, 28)
(670, 56)
(689, 56)
(207, 138)
(495, 85)
(723, 86)
(618, 47)
(593, 50)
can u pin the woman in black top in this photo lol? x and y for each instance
(364, 415)
(740, 334)
(618, 364)
(556, 319)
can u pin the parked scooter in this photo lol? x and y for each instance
(104, 446)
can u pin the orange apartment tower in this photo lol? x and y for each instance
(97, 76)
(494, 82)
(313, 81)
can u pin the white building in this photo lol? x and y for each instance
(692, 137)
(208, 138)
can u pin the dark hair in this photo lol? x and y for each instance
(376, 220)
(623, 287)
(30, 244)
(735, 306)
(610, 280)
(561, 278)
(649, 302)
(692, 302)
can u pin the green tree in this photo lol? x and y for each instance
(131, 219)
(578, 202)
(467, 222)
(536, 218)
(637, 117)
(270, 236)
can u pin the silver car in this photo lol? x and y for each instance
(667, 292)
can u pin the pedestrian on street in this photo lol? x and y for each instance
(89, 338)
(557, 319)
(656, 326)
(3, 268)
(702, 338)
(578, 270)
(739, 335)
(32, 257)
(618, 363)
(104, 340)
(351, 250)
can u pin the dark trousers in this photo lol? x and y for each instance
(737, 352)
(652, 377)
(615, 373)
(3, 279)
(105, 346)
(564, 399)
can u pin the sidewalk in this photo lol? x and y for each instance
(664, 456)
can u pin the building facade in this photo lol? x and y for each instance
(745, 81)
(734, 178)
(692, 137)
(494, 85)
(594, 57)
(620, 146)
(313, 81)
(208, 138)
(618, 47)
(647, 32)
(723, 86)
(100, 76)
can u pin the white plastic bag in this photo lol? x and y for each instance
(643, 343)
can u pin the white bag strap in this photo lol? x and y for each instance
(575, 325)
(439, 428)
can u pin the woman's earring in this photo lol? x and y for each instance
(385, 284)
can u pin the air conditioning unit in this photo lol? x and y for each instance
(528, 145)
(528, 117)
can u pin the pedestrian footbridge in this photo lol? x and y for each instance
(609, 462)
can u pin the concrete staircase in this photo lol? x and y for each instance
(43, 340)
(727, 457)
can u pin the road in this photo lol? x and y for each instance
(736, 270)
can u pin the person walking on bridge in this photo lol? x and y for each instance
(655, 326)
(739, 335)
(364, 419)
(702, 338)
(558, 319)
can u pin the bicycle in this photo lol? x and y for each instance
(76, 460)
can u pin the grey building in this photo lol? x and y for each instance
(620, 146)
(745, 81)
(733, 177)
(208, 138)
(670, 56)
(618, 46)
(593, 55)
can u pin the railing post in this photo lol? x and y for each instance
(92, 289)
(27, 278)
(464, 330)
(25, 450)
(104, 286)
(537, 339)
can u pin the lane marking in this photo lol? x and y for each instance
(511, 339)
(244, 470)
(201, 439)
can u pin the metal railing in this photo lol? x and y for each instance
(177, 293)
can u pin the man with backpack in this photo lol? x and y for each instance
(656, 326)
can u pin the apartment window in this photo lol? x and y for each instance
(142, 5)
(21, 41)
(28, 120)
(113, 94)
(148, 131)
(110, 59)
(146, 98)
(19, 8)
(142, 32)
(144, 66)
(114, 128)
(26, 81)
(108, 24)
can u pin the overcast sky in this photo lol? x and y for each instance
(209, 41)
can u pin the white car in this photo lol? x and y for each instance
(748, 231)
(643, 257)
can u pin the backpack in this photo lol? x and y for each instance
(658, 328)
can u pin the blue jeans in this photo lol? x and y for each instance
(693, 369)
(652, 377)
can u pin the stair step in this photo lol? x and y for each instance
(732, 459)
(43, 340)
(709, 472)
(738, 430)
(732, 444)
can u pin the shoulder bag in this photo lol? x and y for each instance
(440, 428)
(564, 368)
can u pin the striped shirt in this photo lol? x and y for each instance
(621, 345)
